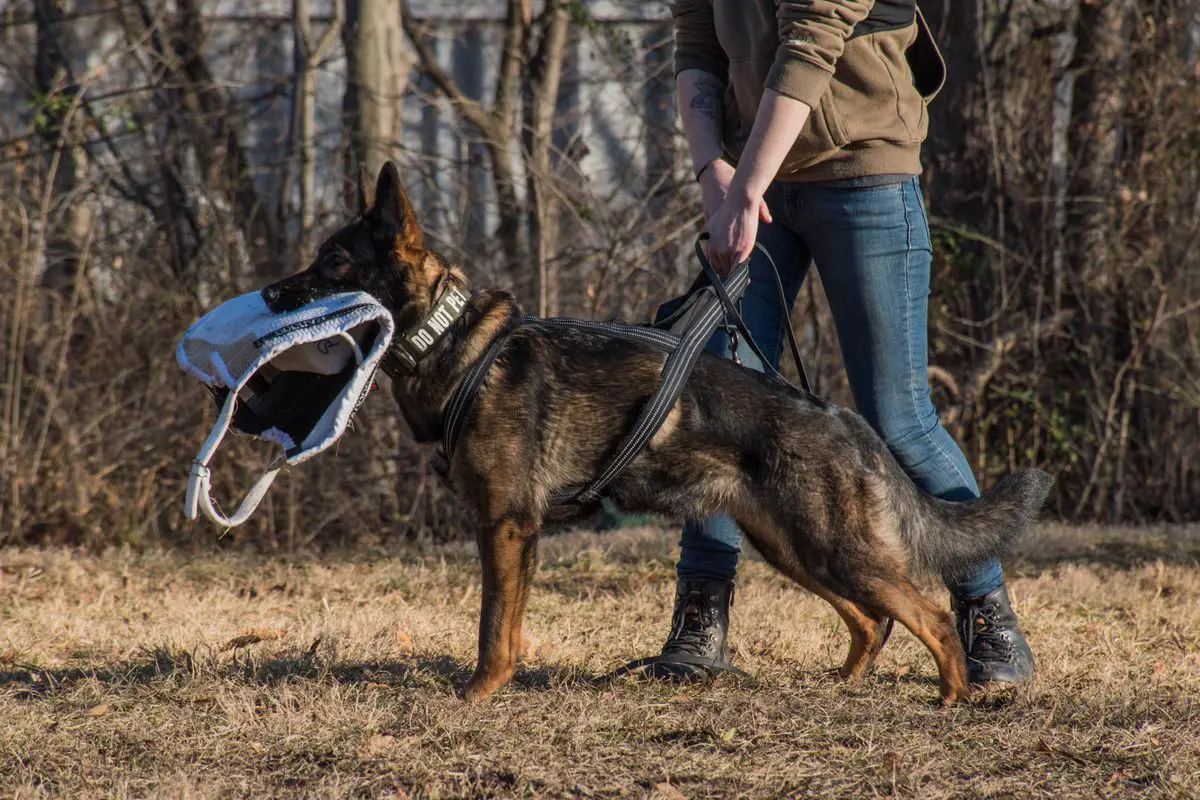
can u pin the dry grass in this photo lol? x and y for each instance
(160, 674)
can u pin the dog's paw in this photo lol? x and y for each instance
(479, 689)
(951, 696)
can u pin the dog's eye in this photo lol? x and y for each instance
(336, 269)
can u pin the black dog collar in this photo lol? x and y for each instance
(415, 343)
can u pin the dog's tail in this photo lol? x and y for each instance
(949, 539)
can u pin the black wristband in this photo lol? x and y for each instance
(707, 164)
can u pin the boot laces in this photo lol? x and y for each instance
(693, 627)
(984, 635)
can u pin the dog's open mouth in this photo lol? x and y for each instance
(292, 392)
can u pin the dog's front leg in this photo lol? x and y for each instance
(509, 555)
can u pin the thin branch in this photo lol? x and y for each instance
(471, 110)
(331, 33)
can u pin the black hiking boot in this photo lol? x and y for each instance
(996, 649)
(697, 647)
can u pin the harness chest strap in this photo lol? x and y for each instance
(701, 312)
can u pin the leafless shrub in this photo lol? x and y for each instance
(157, 157)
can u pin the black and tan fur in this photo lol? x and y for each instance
(811, 484)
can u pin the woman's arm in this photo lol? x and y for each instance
(701, 112)
(812, 37)
(734, 227)
(700, 98)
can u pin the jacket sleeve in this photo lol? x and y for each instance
(696, 44)
(812, 36)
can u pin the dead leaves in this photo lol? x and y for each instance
(253, 636)
(668, 792)
(377, 745)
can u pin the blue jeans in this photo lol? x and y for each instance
(872, 248)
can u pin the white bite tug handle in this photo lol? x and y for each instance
(199, 490)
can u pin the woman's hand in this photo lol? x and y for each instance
(733, 226)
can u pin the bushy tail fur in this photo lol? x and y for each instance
(949, 539)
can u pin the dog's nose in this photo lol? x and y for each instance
(270, 294)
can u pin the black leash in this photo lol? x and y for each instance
(732, 311)
(710, 303)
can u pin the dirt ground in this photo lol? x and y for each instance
(217, 675)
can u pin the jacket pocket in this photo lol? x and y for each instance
(826, 129)
(872, 96)
(822, 135)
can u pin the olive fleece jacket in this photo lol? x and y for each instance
(866, 68)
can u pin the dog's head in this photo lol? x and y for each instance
(381, 252)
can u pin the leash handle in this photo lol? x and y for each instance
(731, 309)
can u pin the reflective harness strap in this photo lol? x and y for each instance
(464, 396)
(710, 304)
(199, 488)
(673, 379)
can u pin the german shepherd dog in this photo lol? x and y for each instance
(811, 484)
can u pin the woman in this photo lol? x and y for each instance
(805, 121)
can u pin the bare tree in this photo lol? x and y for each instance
(497, 123)
(307, 57)
(541, 103)
(202, 116)
(59, 120)
(1101, 44)
(378, 63)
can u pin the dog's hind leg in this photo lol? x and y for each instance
(898, 598)
(508, 552)
(868, 631)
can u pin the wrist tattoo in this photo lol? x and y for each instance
(707, 100)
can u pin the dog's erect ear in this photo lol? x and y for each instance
(365, 193)
(391, 207)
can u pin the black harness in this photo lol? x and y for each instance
(696, 315)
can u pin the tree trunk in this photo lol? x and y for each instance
(59, 120)
(496, 124)
(214, 127)
(304, 101)
(378, 63)
(545, 74)
(1101, 40)
(473, 179)
(663, 154)
(516, 24)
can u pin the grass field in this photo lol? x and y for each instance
(217, 676)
